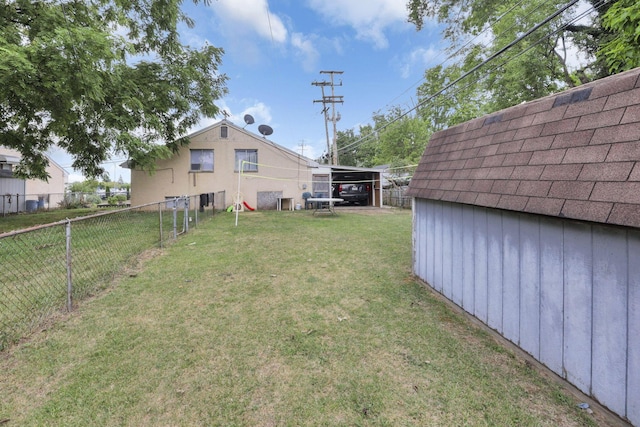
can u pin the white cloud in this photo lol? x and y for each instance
(249, 16)
(419, 58)
(306, 150)
(241, 21)
(305, 50)
(369, 18)
(260, 112)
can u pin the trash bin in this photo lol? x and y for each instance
(31, 205)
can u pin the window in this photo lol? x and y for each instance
(224, 131)
(202, 160)
(250, 157)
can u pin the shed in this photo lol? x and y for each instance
(529, 219)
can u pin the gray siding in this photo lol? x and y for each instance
(568, 293)
(16, 189)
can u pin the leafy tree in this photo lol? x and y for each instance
(440, 107)
(395, 139)
(402, 138)
(357, 149)
(538, 64)
(97, 77)
(87, 186)
(621, 53)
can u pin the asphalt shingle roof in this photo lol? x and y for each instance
(575, 155)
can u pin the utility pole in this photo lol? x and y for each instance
(332, 149)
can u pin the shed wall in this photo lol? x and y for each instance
(566, 292)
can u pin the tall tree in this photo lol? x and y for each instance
(524, 68)
(100, 77)
(443, 104)
(357, 149)
(395, 138)
(402, 138)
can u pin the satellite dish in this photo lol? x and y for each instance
(265, 130)
(248, 119)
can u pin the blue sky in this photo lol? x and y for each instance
(275, 49)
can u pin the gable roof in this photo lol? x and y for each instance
(263, 139)
(575, 154)
(13, 157)
(127, 164)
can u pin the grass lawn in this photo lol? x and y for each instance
(288, 320)
(22, 220)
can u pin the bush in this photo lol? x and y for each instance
(92, 199)
(73, 201)
(118, 199)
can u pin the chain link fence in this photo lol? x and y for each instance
(45, 269)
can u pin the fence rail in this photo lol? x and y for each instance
(48, 267)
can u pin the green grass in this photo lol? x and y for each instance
(22, 220)
(287, 319)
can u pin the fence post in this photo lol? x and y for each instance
(160, 216)
(175, 218)
(196, 209)
(185, 219)
(69, 282)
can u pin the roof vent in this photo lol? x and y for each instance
(493, 119)
(573, 97)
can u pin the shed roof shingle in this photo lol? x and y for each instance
(575, 154)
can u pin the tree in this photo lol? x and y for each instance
(87, 186)
(621, 53)
(530, 67)
(396, 139)
(402, 138)
(442, 104)
(101, 77)
(357, 149)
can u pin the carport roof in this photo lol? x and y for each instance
(575, 154)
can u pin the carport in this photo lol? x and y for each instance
(367, 176)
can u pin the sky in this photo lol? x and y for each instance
(276, 49)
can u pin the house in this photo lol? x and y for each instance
(19, 195)
(269, 172)
(210, 165)
(529, 219)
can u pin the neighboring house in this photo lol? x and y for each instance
(210, 165)
(19, 195)
(529, 219)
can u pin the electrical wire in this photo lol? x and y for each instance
(469, 41)
(484, 63)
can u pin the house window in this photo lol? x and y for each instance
(224, 131)
(6, 170)
(202, 160)
(250, 158)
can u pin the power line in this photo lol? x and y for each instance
(470, 40)
(482, 64)
(332, 149)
